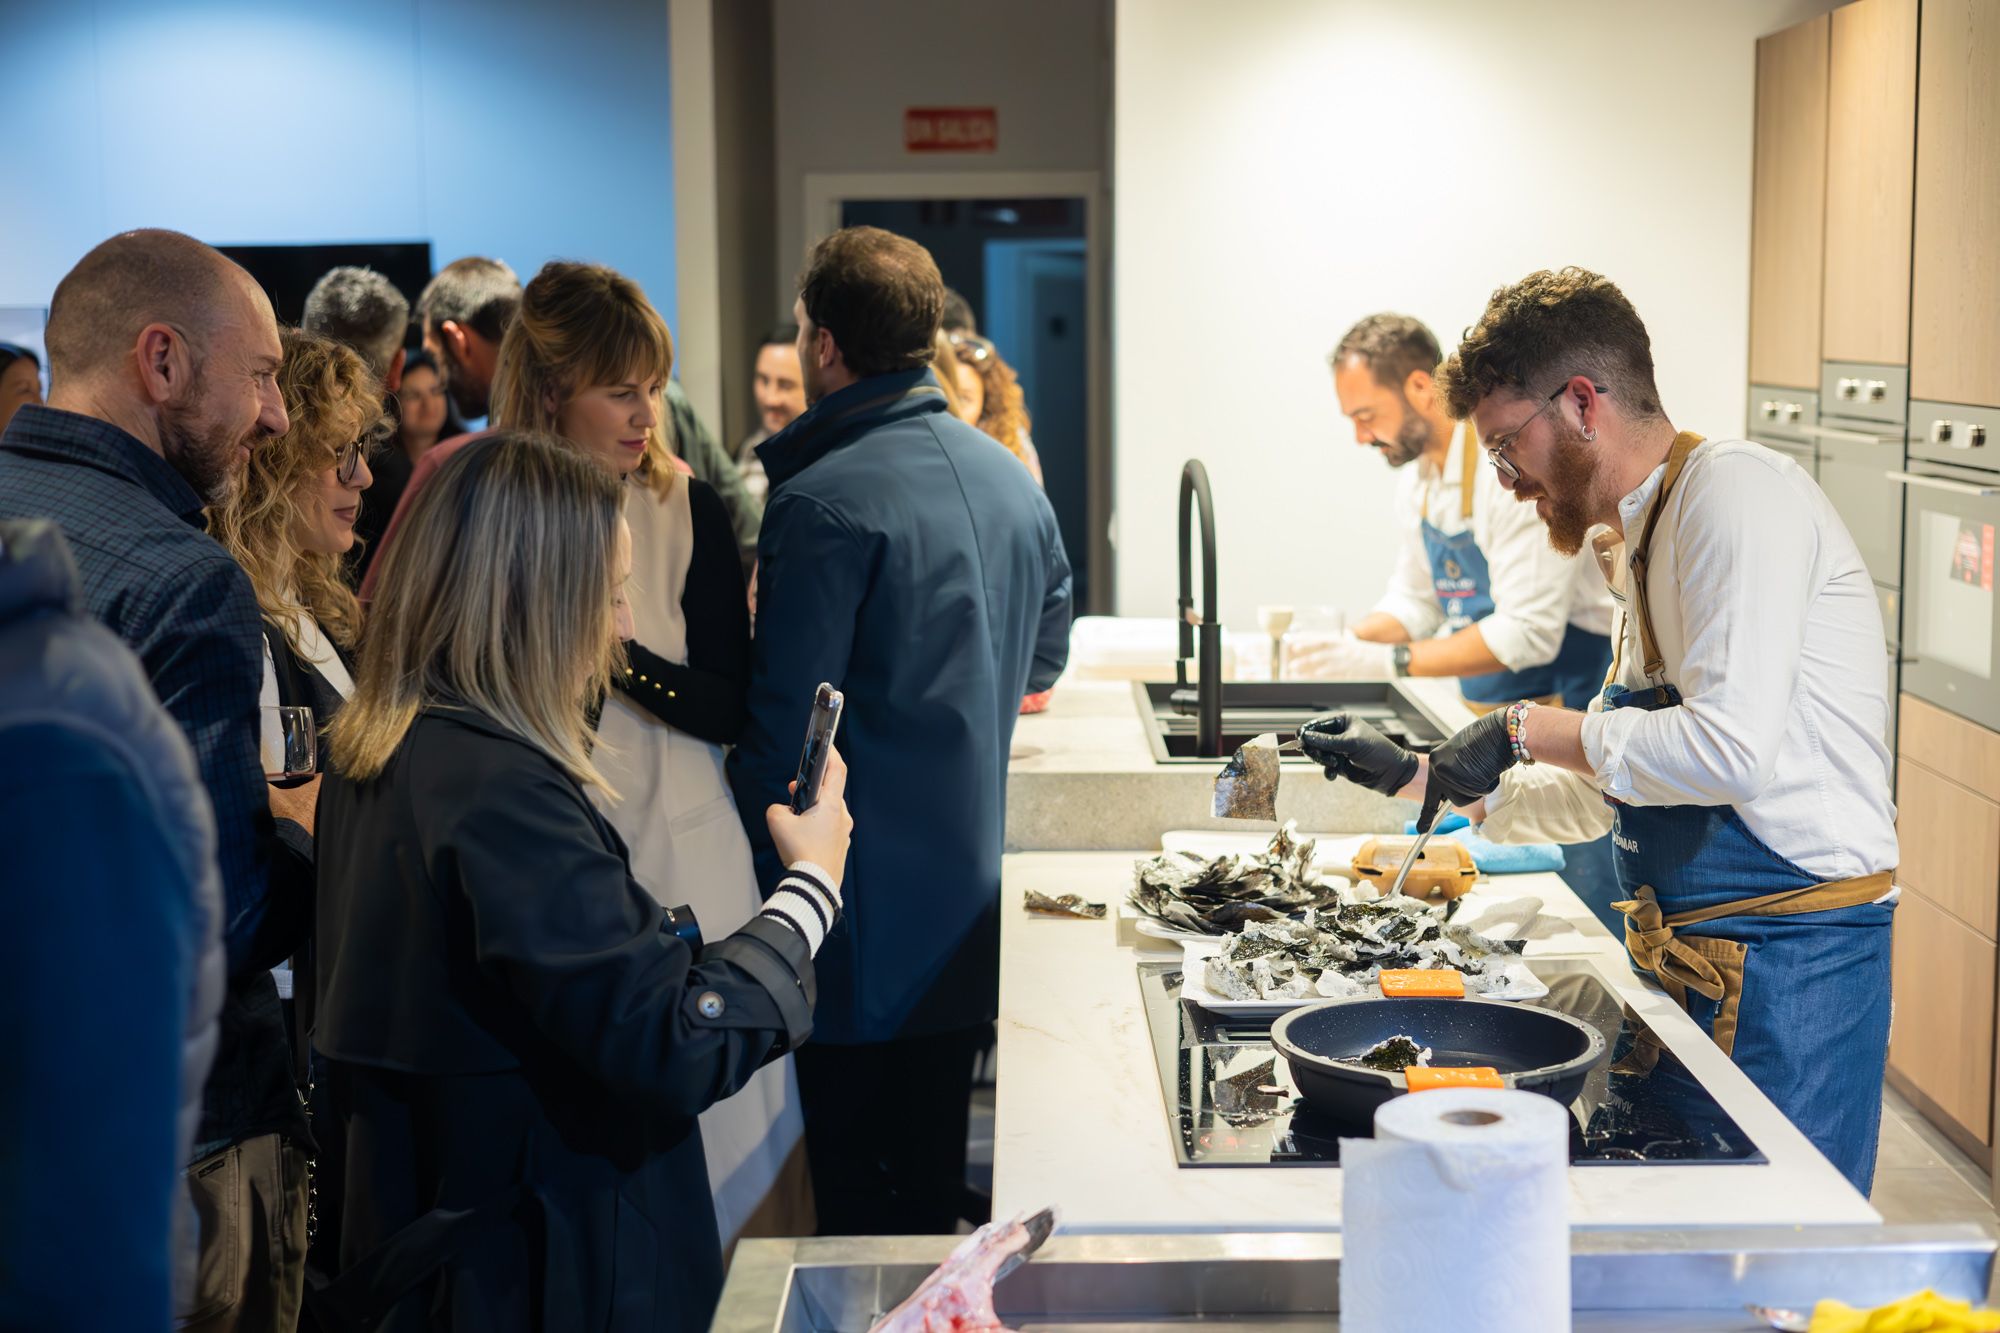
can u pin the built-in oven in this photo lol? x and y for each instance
(1778, 420)
(1951, 495)
(1863, 417)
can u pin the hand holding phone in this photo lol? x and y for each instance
(821, 834)
(828, 704)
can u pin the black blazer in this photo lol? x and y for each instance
(512, 1037)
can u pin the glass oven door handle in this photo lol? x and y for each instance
(1944, 484)
(1847, 436)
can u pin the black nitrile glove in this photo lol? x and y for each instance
(1349, 748)
(1467, 767)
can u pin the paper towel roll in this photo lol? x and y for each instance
(1456, 1215)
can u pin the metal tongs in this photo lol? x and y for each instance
(1416, 852)
(1247, 786)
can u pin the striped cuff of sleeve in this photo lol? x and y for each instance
(806, 901)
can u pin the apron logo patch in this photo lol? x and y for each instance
(1625, 844)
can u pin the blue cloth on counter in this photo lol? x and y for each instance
(1493, 858)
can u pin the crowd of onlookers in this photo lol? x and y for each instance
(412, 928)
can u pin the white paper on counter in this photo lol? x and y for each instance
(1456, 1215)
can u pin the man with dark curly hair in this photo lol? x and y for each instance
(1737, 753)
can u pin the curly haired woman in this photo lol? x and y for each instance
(989, 397)
(291, 521)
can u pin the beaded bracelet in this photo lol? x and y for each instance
(1517, 730)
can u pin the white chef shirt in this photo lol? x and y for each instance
(1537, 592)
(1768, 624)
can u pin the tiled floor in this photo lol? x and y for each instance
(1921, 1177)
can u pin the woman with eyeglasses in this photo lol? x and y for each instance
(290, 522)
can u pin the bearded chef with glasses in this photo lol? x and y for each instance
(1737, 751)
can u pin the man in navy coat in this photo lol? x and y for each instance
(911, 561)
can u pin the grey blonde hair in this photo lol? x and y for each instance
(496, 594)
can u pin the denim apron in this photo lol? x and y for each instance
(1464, 585)
(1788, 975)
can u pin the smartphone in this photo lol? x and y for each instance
(827, 705)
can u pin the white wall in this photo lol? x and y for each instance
(845, 73)
(1287, 166)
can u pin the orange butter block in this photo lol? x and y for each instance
(1422, 1078)
(1425, 981)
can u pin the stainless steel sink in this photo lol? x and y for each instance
(1250, 708)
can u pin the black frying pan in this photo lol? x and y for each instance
(1541, 1050)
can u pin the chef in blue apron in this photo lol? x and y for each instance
(1477, 592)
(1737, 748)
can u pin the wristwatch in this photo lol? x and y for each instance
(1399, 659)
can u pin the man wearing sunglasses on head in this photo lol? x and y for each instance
(1737, 752)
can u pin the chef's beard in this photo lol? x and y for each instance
(1412, 438)
(1572, 481)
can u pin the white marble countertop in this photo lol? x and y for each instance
(1080, 1119)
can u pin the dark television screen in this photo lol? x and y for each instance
(288, 272)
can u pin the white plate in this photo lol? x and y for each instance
(1522, 984)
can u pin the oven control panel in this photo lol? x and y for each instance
(1858, 391)
(1955, 433)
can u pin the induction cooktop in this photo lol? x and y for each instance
(1230, 1102)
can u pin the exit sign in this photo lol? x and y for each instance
(951, 129)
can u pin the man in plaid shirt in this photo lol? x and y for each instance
(164, 359)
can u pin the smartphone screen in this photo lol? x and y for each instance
(825, 720)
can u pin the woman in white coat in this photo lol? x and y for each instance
(588, 359)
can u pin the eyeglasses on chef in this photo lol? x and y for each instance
(1496, 449)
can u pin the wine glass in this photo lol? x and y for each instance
(288, 741)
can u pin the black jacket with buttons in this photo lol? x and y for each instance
(518, 1049)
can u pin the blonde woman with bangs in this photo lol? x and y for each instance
(586, 360)
(518, 1041)
(290, 522)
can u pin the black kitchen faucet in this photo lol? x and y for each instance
(1206, 697)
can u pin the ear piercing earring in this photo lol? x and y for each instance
(1590, 434)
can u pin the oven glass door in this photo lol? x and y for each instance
(1950, 655)
(1851, 474)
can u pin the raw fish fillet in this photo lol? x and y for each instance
(959, 1295)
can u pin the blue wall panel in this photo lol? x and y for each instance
(508, 127)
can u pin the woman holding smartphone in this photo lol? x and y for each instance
(517, 1043)
(587, 359)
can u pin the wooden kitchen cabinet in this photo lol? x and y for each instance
(1943, 1049)
(1950, 840)
(1949, 746)
(1942, 1043)
(1788, 206)
(1955, 277)
(1870, 169)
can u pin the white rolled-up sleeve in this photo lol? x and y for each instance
(1740, 582)
(1531, 582)
(1543, 803)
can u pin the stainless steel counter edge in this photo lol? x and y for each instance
(844, 1283)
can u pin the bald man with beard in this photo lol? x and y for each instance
(164, 358)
